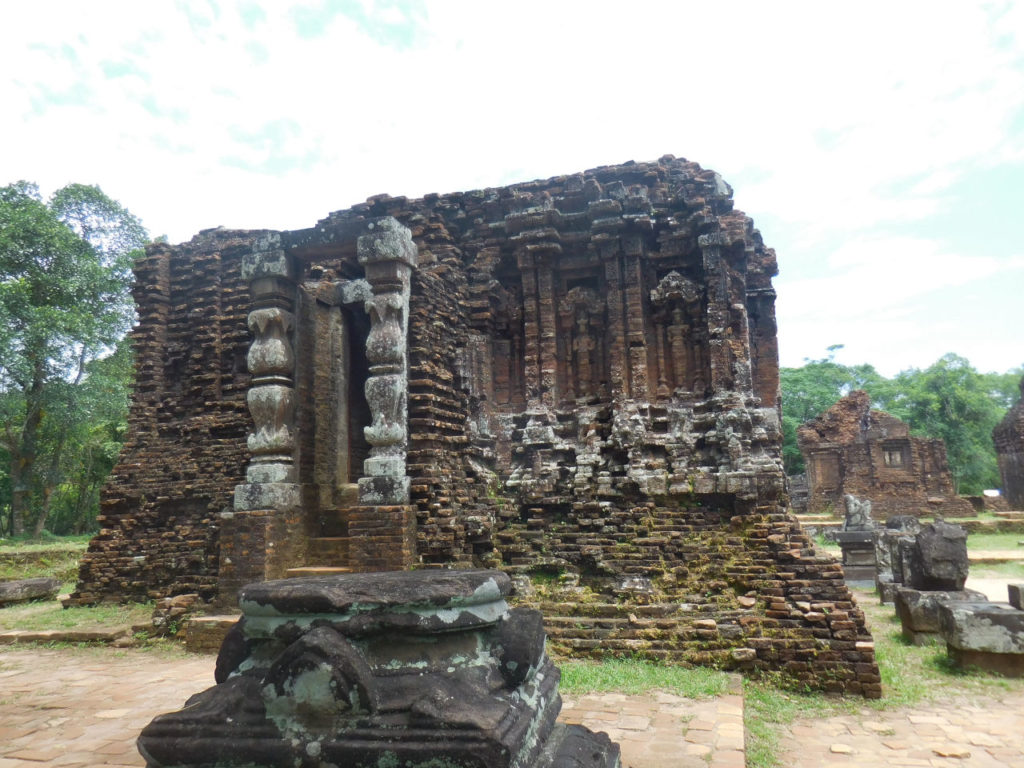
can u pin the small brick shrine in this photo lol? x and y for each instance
(575, 380)
(852, 449)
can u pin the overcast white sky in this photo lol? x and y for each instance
(879, 147)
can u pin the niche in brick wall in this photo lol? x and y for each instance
(680, 362)
(507, 346)
(332, 410)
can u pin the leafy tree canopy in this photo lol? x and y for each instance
(65, 303)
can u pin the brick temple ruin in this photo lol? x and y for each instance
(573, 380)
(1009, 439)
(852, 449)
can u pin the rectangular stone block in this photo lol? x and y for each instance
(277, 496)
(1016, 595)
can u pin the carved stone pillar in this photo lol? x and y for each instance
(382, 528)
(388, 255)
(262, 536)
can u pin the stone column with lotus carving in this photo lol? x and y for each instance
(388, 255)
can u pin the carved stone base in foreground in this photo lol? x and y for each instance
(409, 669)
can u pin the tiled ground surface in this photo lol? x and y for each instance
(81, 708)
(952, 734)
(662, 730)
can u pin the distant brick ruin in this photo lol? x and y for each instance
(572, 380)
(1009, 439)
(852, 449)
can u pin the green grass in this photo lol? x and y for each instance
(983, 541)
(636, 676)
(49, 615)
(54, 557)
(46, 542)
(1013, 571)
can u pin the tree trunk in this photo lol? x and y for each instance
(43, 513)
(23, 459)
(19, 496)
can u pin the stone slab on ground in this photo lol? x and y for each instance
(919, 610)
(24, 590)
(987, 635)
(120, 636)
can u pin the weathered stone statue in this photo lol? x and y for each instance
(427, 669)
(858, 514)
(856, 540)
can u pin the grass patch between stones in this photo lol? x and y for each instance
(637, 676)
(54, 559)
(50, 615)
(994, 541)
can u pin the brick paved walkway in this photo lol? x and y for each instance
(950, 734)
(81, 708)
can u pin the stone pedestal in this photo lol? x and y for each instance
(858, 549)
(413, 669)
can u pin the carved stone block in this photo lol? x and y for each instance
(412, 669)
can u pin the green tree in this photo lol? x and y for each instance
(94, 438)
(65, 303)
(952, 401)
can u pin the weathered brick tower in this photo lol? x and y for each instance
(1009, 439)
(853, 449)
(574, 380)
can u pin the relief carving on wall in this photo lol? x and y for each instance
(507, 346)
(681, 357)
(582, 313)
